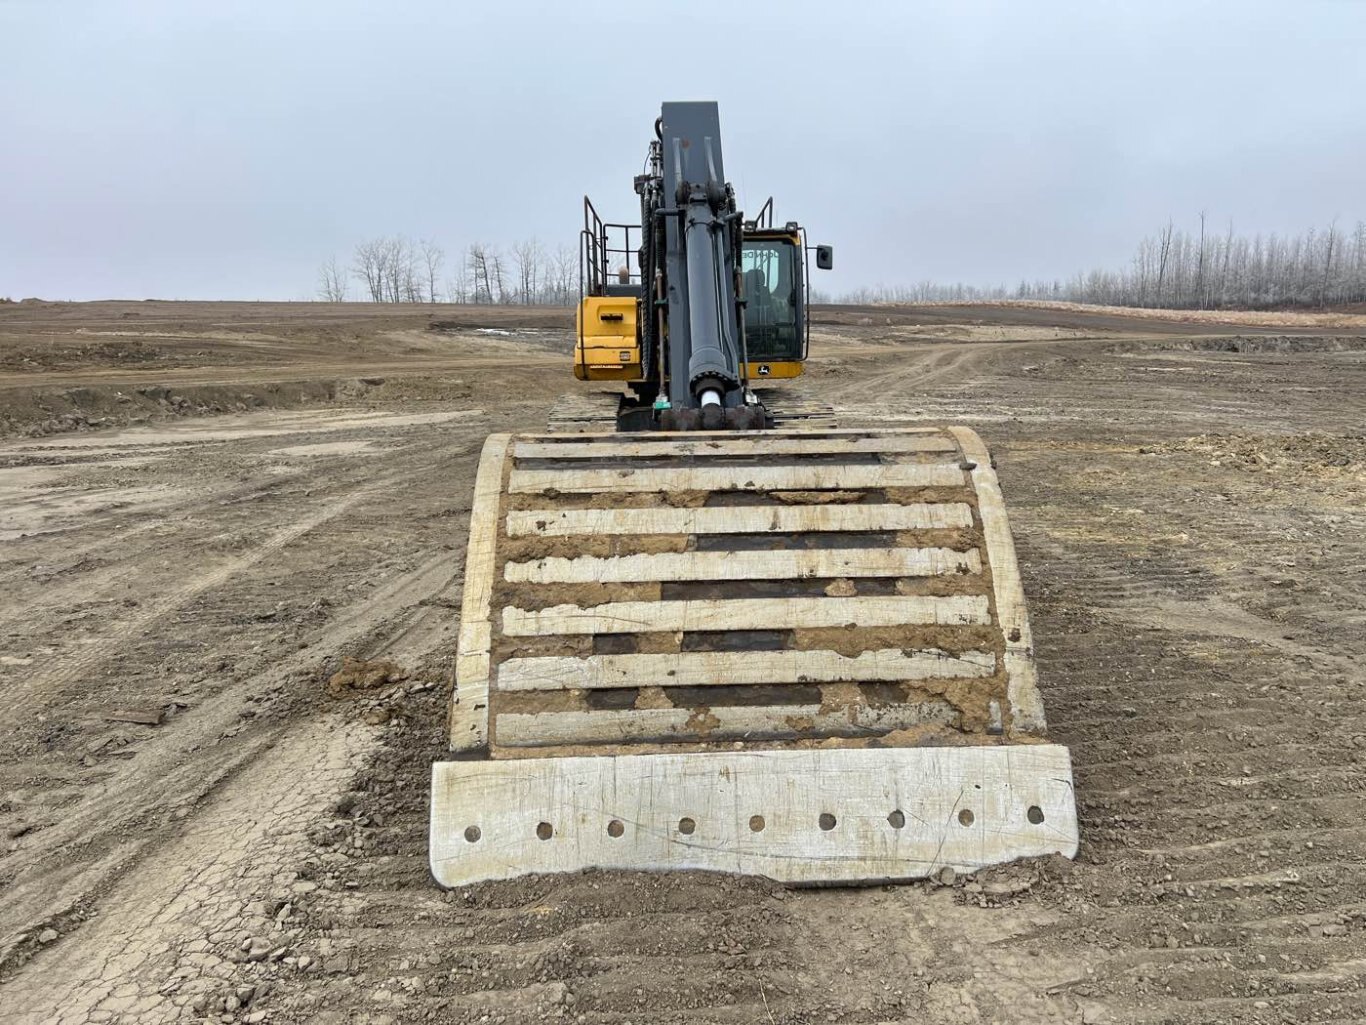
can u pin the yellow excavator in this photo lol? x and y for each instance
(703, 627)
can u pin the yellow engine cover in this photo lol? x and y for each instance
(608, 347)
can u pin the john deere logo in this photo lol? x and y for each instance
(763, 370)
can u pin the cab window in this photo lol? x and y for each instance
(773, 300)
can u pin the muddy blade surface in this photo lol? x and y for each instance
(799, 654)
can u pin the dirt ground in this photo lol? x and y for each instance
(205, 507)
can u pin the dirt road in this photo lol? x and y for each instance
(195, 826)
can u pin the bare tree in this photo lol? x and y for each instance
(1223, 267)
(390, 271)
(1164, 254)
(1359, 242)
(1200, 268)
(563, 271)
(458, 289)
(369, 267)
(477, 259)
(495, 268)
(432, 258)
(332, 282)
(1329, 246)
(528, 255)
(399, 271)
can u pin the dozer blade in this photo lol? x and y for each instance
(796, 654)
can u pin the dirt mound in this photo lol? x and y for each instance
(39, 412)
(130, 351)
(1250, 344)
(1295, 457)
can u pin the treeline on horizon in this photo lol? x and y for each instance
(1195, 270)
(1171, 269)
(396, 269)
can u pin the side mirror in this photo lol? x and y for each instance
(825, 257)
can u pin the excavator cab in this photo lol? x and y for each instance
(773, 285)
(634, 283)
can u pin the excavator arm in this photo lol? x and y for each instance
(702, 247)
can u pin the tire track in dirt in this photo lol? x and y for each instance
(182, 778)
(919, 367)
(1190, 717)
(29, 689)
(109, 830)
(170, 932)
(23, 694)
(183, 769)
(123, 537)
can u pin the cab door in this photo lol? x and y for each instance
(775, 304)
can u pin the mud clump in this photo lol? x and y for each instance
(358, 674)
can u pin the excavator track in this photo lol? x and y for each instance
(585, 412)
(798, 654)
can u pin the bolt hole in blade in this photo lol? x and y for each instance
(965, 817)
(472, 834)
(1035, 814)
(756, 823)
(545, 831)
(615, 828)
(827, 821)
(897, 820)
(686, 826)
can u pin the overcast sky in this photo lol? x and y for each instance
(197, 150)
